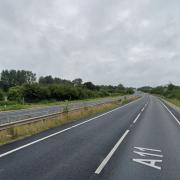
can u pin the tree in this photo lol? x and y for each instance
(1, 95)
(129, 91)
(146, 89)
(121, 87)
(6, 79)
(56, 92)
(77, 82)
(171, 87)
(25, 77)
(158, 90)
(10, 78)
(32, 92)
(4, 86)
(89, 85)
(46, 80)
(30, 77)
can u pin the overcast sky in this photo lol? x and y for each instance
(134, 42)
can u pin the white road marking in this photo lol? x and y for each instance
(147, 149)
(147, 154)
(59, 132)
(139, 113)
(108, 157)
(137, 118)
(149, 162)
(142, 109)
(171, 113)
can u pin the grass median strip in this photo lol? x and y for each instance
(22, 131)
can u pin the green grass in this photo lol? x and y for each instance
(14, 107)
(174, 101)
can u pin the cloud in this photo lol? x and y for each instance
(108, 42)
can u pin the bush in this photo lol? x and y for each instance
(45, 93)
(129, 91)
(103, 93)
(62, 92)
(56, 92)
(176, 93)
(37, 92)
(82, 94)
(15, 94)
(34, 92)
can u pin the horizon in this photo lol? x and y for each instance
(37, 79)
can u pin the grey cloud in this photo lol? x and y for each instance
(108, 42)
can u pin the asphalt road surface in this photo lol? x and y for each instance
(139, 141)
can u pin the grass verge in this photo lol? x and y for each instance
(22, 131)
(174, 101)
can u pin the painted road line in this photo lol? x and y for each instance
(149, 154)
(171, 113)
(149, 162)
(147, 149)
(137, 118)
(142, 109)
(59, 132)
(139, 113)
(108, 157)
(144, 152)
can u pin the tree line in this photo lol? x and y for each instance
(21, 85)
(169, 91)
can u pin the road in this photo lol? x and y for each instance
(18, 115)
(139, 141)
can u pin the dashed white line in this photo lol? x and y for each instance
(171, 113)
(142, 109)
(108, 157)
(137, 118)
(139, 113)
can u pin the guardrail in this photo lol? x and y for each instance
(47, 113)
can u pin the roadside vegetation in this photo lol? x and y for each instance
(21, 89)
(169, 92)
(23, 130)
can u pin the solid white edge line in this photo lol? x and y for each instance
(54, 134)
(171, 113)
(108, 157)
